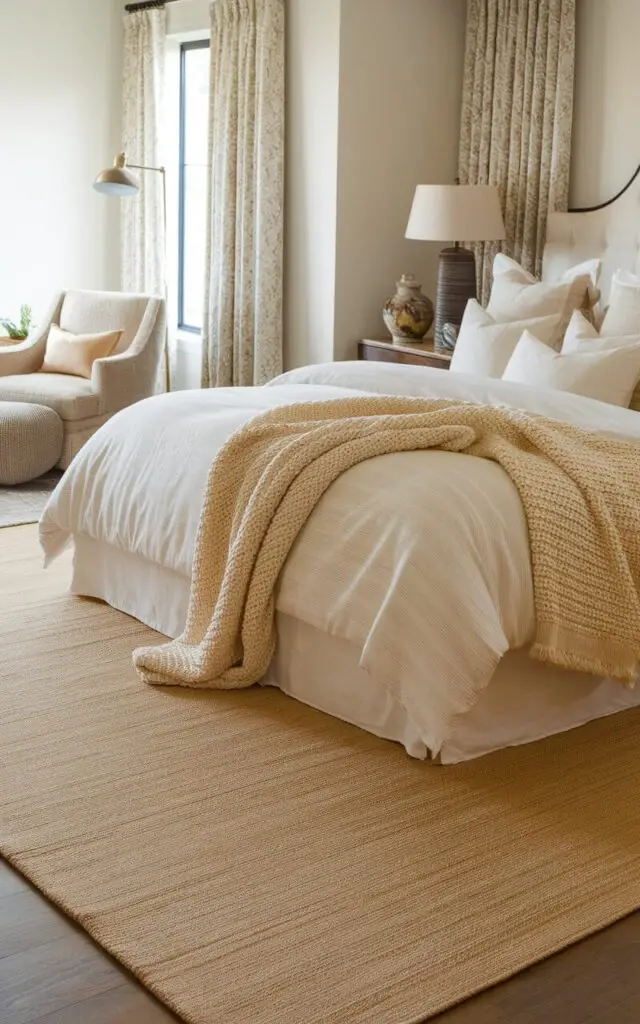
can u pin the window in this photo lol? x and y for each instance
(192, 213)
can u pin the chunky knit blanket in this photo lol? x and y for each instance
(580, 492)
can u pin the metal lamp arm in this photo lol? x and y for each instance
(144, 167)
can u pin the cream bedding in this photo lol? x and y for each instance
(580, 492)
(449, 531)
(523, 702)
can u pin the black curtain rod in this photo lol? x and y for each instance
(146, 5)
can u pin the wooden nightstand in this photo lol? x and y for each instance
(418, 354)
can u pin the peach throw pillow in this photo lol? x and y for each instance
(75, 354)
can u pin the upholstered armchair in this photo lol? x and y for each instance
(117, 382)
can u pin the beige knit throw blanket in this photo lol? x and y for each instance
(580, 492)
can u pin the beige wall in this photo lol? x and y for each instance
(400, 92)
(606, 139)
(59, 125)
(373, 110)
(313, 69)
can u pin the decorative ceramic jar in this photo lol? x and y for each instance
(409, 314)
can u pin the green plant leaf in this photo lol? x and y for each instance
(25, 318)
(14, 332)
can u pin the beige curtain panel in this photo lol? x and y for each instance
(242, 334)
(143, 244)
(517, 111)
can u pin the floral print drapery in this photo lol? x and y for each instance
(242, 335)
(143, 243)
(517, 112)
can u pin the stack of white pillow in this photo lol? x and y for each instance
(545, 334)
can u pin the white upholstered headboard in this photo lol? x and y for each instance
(610, 232)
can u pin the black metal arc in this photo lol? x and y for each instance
(602, 206)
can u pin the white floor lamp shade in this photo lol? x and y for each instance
(451, 213)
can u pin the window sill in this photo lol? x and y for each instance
(188, 337)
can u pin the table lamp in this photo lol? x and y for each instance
(444, 213)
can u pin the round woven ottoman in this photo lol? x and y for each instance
(30, 441)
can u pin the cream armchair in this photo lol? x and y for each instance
(116, 382)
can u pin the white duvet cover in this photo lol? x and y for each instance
(442, 536)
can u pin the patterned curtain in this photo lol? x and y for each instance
(242, 335)
(143, 241)
(517, 114)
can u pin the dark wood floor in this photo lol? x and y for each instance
(52, 973)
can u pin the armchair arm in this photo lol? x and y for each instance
(28, 356)
(131, 376)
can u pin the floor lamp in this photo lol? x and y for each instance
(120, 182)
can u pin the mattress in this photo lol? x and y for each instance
(523, 702)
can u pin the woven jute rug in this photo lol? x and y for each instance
(251, 860)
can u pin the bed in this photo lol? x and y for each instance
(130, 506)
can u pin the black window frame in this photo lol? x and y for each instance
(196, 44)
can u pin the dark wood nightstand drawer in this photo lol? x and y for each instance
(415, 354)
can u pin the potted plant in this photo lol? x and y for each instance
(17, 332)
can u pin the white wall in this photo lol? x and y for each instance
(606, 133)
(188, 16)
(400, 93)
(59, 125)
(313, 72)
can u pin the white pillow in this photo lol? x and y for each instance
(484, 347)
(592, 269)
(609, 376)
(623, 315)
(582, 336)
(517, 295)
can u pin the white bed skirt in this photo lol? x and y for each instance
(524, 701)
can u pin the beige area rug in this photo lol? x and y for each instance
(251, 860)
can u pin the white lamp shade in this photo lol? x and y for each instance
(115, 188)
(455, 213)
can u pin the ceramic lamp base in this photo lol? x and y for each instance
(456, 285)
